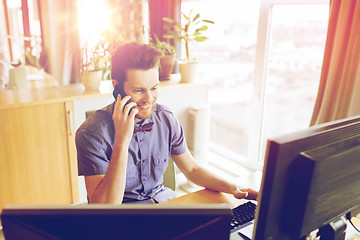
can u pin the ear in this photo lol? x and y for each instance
(114, 82)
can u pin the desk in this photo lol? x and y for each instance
(206, 196)
(209, 196)
(201, 196)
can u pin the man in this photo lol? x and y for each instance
(121, 164)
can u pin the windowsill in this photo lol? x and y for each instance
(224, 168)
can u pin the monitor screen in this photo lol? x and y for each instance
(310, 179)
(126, 221)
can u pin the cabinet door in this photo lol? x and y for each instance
(37, 155)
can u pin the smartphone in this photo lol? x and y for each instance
(119, 90)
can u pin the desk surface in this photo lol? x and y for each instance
(209, 196)
(201, 196)
(206, 196)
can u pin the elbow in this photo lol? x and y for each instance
(194, 174)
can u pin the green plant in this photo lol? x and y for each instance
(98, 57)
(188, 32)
(93, 58)
(165, 47)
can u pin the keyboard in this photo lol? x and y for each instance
(242, 214)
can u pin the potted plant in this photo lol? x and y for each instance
(167, 62)
(93, 62)
(96, 59)
(189, 32)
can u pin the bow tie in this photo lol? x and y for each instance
(145, 127)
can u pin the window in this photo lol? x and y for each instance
(295, 58)
(24, 40)
(262, 83)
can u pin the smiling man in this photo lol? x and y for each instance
(124, 148)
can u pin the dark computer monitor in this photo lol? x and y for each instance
(126, 221)
(311, 179)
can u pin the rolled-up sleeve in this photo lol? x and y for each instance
(178, 142)
(91, 154)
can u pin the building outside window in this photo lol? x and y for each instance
(244, 112)
(19, 43)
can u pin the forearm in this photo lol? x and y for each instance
(112, 187)
(205, 178)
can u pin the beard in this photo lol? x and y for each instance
(145, 114)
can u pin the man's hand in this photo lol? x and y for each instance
(123, 121)
(245, 193)
(110, 188)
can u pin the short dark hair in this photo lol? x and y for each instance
(133, 56)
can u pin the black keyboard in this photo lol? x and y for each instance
(243, 214)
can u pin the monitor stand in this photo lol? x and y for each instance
(335, 230)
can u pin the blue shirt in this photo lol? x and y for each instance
(148, 157)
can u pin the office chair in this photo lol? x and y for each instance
(169, 174)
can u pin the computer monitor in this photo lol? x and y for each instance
(311, 179)
(126, 221)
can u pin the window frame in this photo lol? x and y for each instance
(261, 75)
(254, 159)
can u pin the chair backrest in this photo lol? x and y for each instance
(87, 113)
(169, 174)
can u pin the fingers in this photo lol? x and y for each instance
(129, 108)
(119, 105)
(252, 194)
(133, 112)
(240, 194)
(246, 194)
(122, 108)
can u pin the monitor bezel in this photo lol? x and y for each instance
(280, 154)
(155, 214)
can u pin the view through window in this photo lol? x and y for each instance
(227, 64)
(296, 54)
(17, 49)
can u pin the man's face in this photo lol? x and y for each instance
(142, 86)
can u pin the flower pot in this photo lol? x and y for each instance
(167, 63)
(91, 79)
(188, 71)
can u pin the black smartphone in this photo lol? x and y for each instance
(119, 90)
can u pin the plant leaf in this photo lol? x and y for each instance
(208, 21)
(191, 11)
(169, 20)
(203, 28)
(200, 39)
(179, 28)
(196, 17)
(169, 36)
(185, 16)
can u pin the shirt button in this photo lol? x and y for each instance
(144, 178)
(144, 161)
(141, 139)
